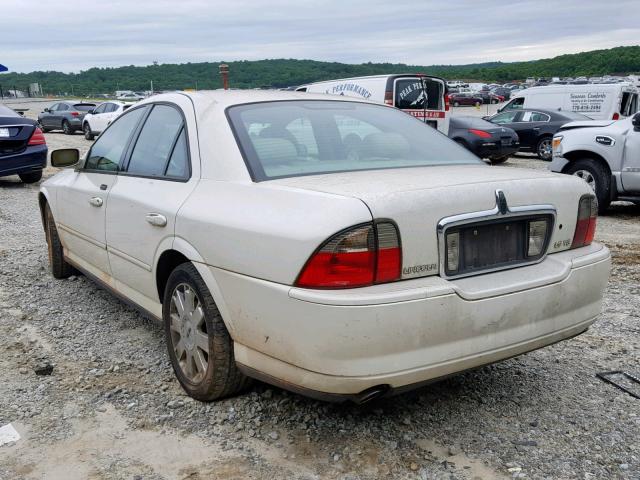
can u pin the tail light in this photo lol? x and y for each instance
(37, 137)
(586, 225)
(480, 133)
(388, 97)
(616, 116)
(447, 102)
(75, 114)
(358, 257)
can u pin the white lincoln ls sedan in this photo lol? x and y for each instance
(334, 247)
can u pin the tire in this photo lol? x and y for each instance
(456, 104)
(477, 104)
(494, 101)
(543, 149)
(498, 160)
(66, 128)
(186, 338)
(86, 128)
(31, 177)
(598, 178)
(59, 266)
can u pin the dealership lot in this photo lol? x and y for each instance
(112, 398)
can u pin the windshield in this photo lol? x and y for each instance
(294, 138)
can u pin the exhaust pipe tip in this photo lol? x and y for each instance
(371, 394)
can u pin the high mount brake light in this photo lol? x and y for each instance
(586, 224)
(360, 256)
(480, 133)
(37, 138)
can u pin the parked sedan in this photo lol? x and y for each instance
(336, 247)
(23, 148)
(65, 116)
(488, 97)
(535, 128)
(483, 138)
(502, 91)
(96, 120)
(458, 99)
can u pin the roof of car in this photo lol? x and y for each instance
(227, 98)
(7, 112)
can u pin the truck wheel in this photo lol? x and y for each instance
(200, 347)
(596, 177)
(30, 177)
(59, 266)
(86, 128)
(544, 149)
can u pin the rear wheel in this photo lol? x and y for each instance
(87, 131)
(59, 266)
(200, 347)
(596, 176)
(66, 128)
(494, 101)
(477, 104)
(544, 149)
(456, 104)
(31, 177)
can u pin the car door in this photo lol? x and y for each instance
(82, 202)
(96, 121)
(158, 178)
(112, 112)
(631, 162)
(58, 115)
(531, 125)
(45, 117)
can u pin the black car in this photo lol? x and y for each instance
(535, 127)
(483, 138)
(23, 148)
(502, 91)
(65, 116)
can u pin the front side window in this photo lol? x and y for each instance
(100, 109)
(515, 104)
(155, 144)
(294, 138)
(106, 152)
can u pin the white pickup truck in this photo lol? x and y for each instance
(606, 154)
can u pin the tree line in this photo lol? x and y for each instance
(281, 73)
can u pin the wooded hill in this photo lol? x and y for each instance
(288, 72)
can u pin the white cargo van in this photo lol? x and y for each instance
(602, 101)
(422, 96)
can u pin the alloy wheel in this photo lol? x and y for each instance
(545, 149)
(587, 177)
(189, 336)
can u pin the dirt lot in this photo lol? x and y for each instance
(111, 408)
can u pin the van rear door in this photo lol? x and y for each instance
(423, 97)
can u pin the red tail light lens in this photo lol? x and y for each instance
(37, 137)
(616, 116)
(447, 102)
(480, 133)
(586, 224)
(75, 114)
(358, 257)
(388, 97)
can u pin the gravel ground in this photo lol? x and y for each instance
(112, 409)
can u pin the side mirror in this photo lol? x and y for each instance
(47, 110)
(635, 121)
(500, 109)
(65, 157)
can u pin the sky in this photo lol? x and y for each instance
(70, 36)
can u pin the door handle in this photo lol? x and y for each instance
(156, 219)
(96, 201)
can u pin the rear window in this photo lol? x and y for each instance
(411, 94)
(295, 138)
(84, 107)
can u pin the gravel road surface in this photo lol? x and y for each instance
(87, 383)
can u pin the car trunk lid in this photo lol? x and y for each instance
(14, 135)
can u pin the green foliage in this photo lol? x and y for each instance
(280, 73)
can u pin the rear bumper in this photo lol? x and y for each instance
(337, 344)
(495, 149)
(33, 158)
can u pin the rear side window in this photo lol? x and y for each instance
(106, 152)
(158, 138)
(410, 94)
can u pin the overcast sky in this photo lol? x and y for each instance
(72, 36)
